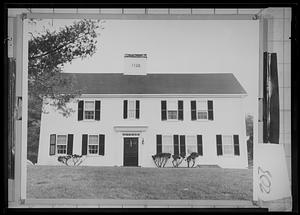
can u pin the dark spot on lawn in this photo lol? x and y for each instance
(42, 182)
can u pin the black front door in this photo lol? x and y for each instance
(130, 151)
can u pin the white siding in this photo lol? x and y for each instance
(229, 118)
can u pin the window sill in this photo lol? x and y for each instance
(94, 155)
(172, 120)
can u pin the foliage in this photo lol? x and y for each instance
(192, 158)
(177, 159)
(47, 54)
(161, 159)
(71, 160)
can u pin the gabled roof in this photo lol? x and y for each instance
(118, 83)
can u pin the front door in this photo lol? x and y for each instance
(130, 151)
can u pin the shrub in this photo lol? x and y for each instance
(177, 159)
(192, 157)
(71, 160)
(161, 159)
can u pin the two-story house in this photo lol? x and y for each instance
(122, 120)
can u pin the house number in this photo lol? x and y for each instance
(264, 180)
(136, 65)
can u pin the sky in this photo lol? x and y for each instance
(177, 46)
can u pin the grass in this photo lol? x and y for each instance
(138, 183)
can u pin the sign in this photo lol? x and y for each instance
(135, 64)
(270, 172)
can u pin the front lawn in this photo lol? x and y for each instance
(138, 183)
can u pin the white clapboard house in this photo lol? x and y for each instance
(122, 119)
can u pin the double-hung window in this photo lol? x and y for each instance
(191, 143)
(93, 144)
(61, 144)
(172, 110)
(202, 113)
(167, 144)
(227, 142)
(202, 110)
(89, 109)
(131, 109)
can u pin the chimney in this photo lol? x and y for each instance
(135, 64)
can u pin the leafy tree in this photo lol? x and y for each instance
(49, 51)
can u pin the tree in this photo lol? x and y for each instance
(48, 53)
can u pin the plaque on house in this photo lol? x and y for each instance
(135, 64)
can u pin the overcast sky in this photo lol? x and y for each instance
(179, 46)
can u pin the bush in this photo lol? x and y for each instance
(161, 159)
(177, 159)
(192, 157)
(71, 160)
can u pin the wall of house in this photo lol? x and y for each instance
(229, 118)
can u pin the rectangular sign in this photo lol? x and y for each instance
(270, 172)
(135, 64)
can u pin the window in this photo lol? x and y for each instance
(172, 109)
(61, 144)
(167, 146)
(227, 143)
(191, 144)
(131, 109)
(89, 109)
(93, 144)
(202, 110)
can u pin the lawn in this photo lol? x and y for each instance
(138, 183)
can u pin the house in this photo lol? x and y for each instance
(122, 120)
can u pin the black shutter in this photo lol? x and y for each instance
(158, 143)
(101, 144)
(199, 144)
(97, 110)
(193, 110)
(163, 110)
(70, 144)
(137, 109)
(182, 144)
(52, 144)
(84, 144)
(219, 144)
(180, 110)
(176, 144)
(125, 102)
(236, 145)
(80, 110)
(210, 110)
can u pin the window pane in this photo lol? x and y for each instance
(131, 105)
(228, 149)
(201, 105)
(131, 113)
(93, 149)
(172, 114)
(202, 115)
(89, 105)
(167, 146)
(227, 145)
(61, 139)
(191, 144)
(172, 105)
(89, 114)
(61, 149)
(93, 139)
